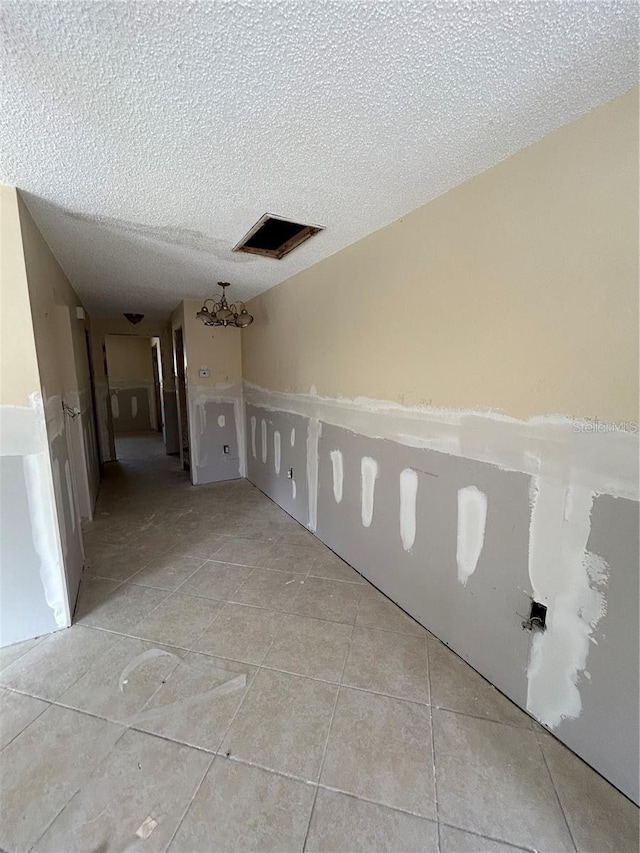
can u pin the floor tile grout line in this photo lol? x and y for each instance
(308, 573)
(482, 719)
(433, 750)
(25, 652)
(81, 786)
(555, 789)
(371, 801)
(146, 616)
(247, 691)
(131, 579)
(191, 801)
(72, 684)
(48, 704)
(326, 742)
(477, 834)
(292, 777)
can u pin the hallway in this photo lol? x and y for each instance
(230, 684)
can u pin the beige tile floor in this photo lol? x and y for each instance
(231, 684)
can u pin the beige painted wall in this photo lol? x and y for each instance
(119, 325)
(19, 376)
(218, 349)
(60, 336)
(516, 291)
(129, 359)
(61, 348)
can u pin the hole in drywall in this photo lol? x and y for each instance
(537, 620)
(274, 237)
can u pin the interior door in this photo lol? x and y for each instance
(156, 387)
(183, 418)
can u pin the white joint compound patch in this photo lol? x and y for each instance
(254, 451)
(134, 406)
(408, 496)
(574, 594)
(338, 474)
(293, 436)
(313, 436)
(46, 533)
(115, 406)
(221, 421)
(472, 520)
(368, 474)
(276, 452)
(294, 489)
(263, 428)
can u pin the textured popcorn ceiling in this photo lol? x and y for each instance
(149, 137)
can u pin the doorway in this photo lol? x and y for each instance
(157, 384)
(130, 373)
(180, 369)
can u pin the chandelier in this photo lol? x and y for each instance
(222, 314)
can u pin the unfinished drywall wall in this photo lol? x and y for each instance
(33, 593)
(475, 421)
(214, 397)
(101, 327)
(64, 375)
(276, 450)
(131, 383)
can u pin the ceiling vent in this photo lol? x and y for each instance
(275, 237)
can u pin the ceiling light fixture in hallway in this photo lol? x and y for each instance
(223, 314)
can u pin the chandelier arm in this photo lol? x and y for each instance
(234, 314)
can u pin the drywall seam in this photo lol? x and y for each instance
(338, 474)
(368, 477)
(263, 436)
(408, 497)
(313, 435)
(254, 451)
(276, 452)
(472, 519)
(603, 457)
